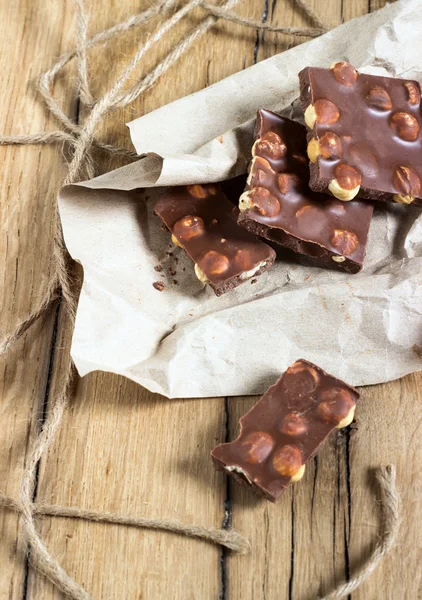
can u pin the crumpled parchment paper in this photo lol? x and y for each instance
(185, 342)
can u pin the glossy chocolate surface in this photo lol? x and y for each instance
(285, 428)
(379, 125)
(204, 222)
(290, 213)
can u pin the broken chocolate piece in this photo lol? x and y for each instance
(376, 124)
(279, 205)
(285, 429)
(204, 222)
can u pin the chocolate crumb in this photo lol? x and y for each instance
(254, 280)
(159, 285)
(158, 268)
(175, 281)
(172, 273)
(169, 253)
(164, 228)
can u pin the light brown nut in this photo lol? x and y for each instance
(347, 419)
(197, 191)
(270, 145)
(406, 182)
(413, 92)
(344, 241)
(256, 447)
(330, 146)
(345, 73)
(188, 227)
(335, 405)
(346, 185)
(176, 241)
(313, 150)
(245, 259)
(326, 111)
(213, 263)
(261, 200)
(310, 116)
(260, 172)
(401, 199)
(293, 424)
(338, 259)
(379, 98)
(405, 126)
(287, 461)
(300, 379)
(287, 182)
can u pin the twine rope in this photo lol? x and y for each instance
(81, 139)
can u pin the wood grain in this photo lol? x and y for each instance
(30, 35)
(121, 448)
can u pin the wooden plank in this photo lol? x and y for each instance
(31, 33)
(122, 448)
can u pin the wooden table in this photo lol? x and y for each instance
(122, 448)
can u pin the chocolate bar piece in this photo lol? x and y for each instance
(285, 429)
(279, 205)
(204, 222)
(364, 134)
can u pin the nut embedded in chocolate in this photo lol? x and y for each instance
(379, 99)
(345, 73)
(405, 126)
(330, 146)
(346, 185)
(344, 241)
(283, 430)
(379, 126)
(189, 227)
(262, 201)
(270, 145)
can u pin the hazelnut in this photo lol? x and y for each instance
(287, 182)
(260, 168)
(213, 263)
(310, 116)
(335, 405)
(300, 379)
(313, 150)
(338, 259)
(344, 241)
(197, 191)
(401, 199)
(345, 73)
(407, 182)
(346, 185)
(189, 227)
(261, 200)
(293, 424)
(270, 145)
(330, 146)
(176, 241)
(326, 111)
(379, 98)
(347, 419)
(256, 447)
(245, 259)
(413, 92)
(405, 126)
(288, 461)
(304, 210)
(200, 274)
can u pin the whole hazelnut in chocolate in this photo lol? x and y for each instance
(413, 92)
(405, 126)
(326, 111)
(288, 461)
(270, 145)
(345, 73)
(293, 424)
(344, 241)
(330, 146)
(406, 181)
(256, 447)
(264, 202)
(335, 405)
(379, 98)
(189, 227)
(213, 263)
(303, 385)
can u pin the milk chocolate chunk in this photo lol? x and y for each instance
(378, 128)
(203, 221)
(285, 429)
(279, 205)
